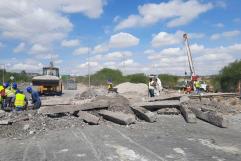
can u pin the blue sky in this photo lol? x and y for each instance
(135, 36)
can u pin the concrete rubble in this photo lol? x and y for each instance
(97, 106)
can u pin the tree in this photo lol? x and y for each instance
(229, 76)
(168, 81)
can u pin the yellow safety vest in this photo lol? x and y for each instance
(14, 91)
(110, 86)
(9, 93)
(198, 84)
(1, 88)
(19, 100)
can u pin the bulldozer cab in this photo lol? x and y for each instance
(51, 70)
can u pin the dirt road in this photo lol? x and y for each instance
(170, 138)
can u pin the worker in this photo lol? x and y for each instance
(14, 87)
(109, 85)
(2, 93)
(158, 86)
(35, 98)
(197, 85)
(151, 87)
(20, 101)
(9, 94)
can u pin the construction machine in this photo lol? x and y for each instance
(49, 83)
(193, 76)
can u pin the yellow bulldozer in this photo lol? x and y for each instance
(49, 83)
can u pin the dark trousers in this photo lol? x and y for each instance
(37, 105)
(151, 92)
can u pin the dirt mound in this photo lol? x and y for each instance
(91, 93)
(127, 87)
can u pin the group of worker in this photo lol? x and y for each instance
(155, 87)
(14, 99)
(193, 86)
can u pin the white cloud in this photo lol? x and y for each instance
(39, 49)
(123, 40)
(101, 48)
(29, 65)
(81, 50)
(70, 43)
(219, 25)
(117, 55)
(43, 22)
(226, 34)
(119, 40)
(47, 56)
(167, 39)
(21, 47)
(112, 56)
(176, 12)
(91, 8)
(91, 64)
(149, 51)
(206, 60)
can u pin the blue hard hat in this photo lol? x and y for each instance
(29, 89)
(15, 86)
(5, 84)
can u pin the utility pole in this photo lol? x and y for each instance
(3, 70)
(123, 56)
(89, 67)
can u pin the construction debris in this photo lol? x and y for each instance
(211, 117)
(165, 97)
(118, 117)
(187, 114)
(144, 114)
(89, 118)
(168, 111)
(95, 106)
(159, 104)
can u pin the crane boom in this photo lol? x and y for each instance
(189, 55)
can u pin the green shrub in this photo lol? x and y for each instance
(137, 78)
(229, 76)
(168, 81)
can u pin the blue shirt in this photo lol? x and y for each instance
(35, 97)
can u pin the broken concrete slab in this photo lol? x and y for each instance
(5, 122)
(144, 114)
(214, 95)
(164, 97)
(168, 111)
(58, 109)
(211, 117)
(187, 114)
(118, 117)
(159, 104)
(89, 118)
(184, 99)
(73, 108)
(100, 104)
